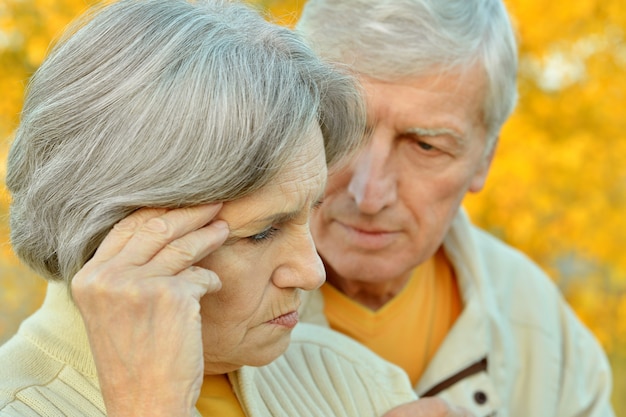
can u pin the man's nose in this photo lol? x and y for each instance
(373, 183)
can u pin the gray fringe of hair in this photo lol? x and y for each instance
(394, 39)
(163, 103)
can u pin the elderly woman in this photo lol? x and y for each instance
(163, 174)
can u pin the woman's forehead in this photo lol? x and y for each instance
(297, 186)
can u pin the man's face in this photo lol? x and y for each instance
(389, 210)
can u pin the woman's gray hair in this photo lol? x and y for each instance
(164, 103)
(393, 39)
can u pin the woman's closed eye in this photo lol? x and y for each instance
(265, 235)
(317, 204)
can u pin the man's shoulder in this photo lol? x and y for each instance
(509, 268)
(499, 255)
(505, 277)
(477, 251)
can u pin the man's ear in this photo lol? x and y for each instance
(480, 176)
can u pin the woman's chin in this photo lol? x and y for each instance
(270, 353)
(258, 355)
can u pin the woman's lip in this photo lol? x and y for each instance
(288, 320)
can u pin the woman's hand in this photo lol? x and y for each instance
(139, 299)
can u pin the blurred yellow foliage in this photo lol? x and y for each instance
(557, 189)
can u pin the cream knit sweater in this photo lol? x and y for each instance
(47, 369)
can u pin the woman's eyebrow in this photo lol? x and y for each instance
(287, 216)
(271, 219)
(279, 217)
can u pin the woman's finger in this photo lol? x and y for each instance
(184, 252)
(157, 232)
(201, 281)
(123, 231)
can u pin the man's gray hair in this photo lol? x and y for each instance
(393, 39)
(164, 103)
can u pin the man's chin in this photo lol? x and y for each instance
(363, 268)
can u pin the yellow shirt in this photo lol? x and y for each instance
(408, 329)
(217, 398)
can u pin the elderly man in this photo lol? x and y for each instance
(470, 319)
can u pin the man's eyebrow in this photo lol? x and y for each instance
(438, 131)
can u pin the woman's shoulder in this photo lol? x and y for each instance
(32, 381)
(21, 367)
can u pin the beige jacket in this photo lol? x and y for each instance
(517, 350)
(47, 369)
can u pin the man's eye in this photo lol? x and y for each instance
(418, 140)
(425, 146)
(266, 234)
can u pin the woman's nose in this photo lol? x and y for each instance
(303, 267)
